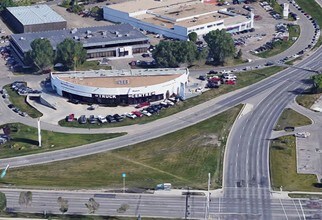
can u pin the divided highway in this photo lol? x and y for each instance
(246, 158)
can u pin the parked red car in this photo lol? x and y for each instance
(143, 104)
(137, 114)
(70, 118)
(230, 82)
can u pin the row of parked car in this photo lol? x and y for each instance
(6, 54)
(11, 106)
(22, 89)
(147, 111)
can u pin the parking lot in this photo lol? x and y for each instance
(264, 25)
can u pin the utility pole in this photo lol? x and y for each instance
(208, 198)
(39, 133)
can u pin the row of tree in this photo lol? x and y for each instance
(220, 47)
(69, 53)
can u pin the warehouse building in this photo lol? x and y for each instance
(34, 18)
(177, 18)
(120, 87)
(105, 41)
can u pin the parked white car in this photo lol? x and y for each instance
(302, 134)
(101, 119)
(130, 115)
(146, 113)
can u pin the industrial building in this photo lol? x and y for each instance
(177, 18)
(105, 41)
(120, 87)
(34, 18)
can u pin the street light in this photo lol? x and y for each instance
(123, 176)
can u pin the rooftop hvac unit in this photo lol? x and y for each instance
(119, 35)
(88, 32)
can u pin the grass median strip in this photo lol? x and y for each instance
(20, 102)
(291, 118)
(24, 140)
(283, 167)
(183, 158)
(244, 79)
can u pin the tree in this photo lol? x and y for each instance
(6, 3)
(70, 53)
(25, 198)
(3, 201)
(221, 45)
(193, 37)
(92, 206)
(174, 53)
(317, 81)
(63, 204)
(41, 53)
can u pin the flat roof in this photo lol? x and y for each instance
(89, 36)
(121, 78)
(35, 14)
(141, 5)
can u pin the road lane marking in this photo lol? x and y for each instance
(283, 209)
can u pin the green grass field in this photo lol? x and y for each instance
(283, 167)
(25, 140)
(308, 98)
(312, 8)
(92, 65)
(281, 46)
(20, 102)
(183, 158)
(292, 118)
(244, 79)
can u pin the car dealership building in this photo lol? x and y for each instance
(120, 87)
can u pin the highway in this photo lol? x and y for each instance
(246, 157)
(165, 206)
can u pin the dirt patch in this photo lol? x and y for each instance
(207, 140)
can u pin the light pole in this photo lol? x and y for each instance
(123, 175)
(208, 197)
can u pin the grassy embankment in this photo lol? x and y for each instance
(183, 158)
(244, 79)
(292, 118)
(25, 140)
(308, 98)
(280, 46)
(283, 157)
(20, 102)
(283, 167)
(315, 10)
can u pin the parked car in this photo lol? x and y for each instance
(143, 104)
(70, 118)
(92, 119)
(23, 114)
(110, 119)
(82, 119)
(118, 117)
(137, 114)
(131, 115)
(102, 119)
(146, 113)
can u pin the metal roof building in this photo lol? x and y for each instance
(102, 41)
(33, 18)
